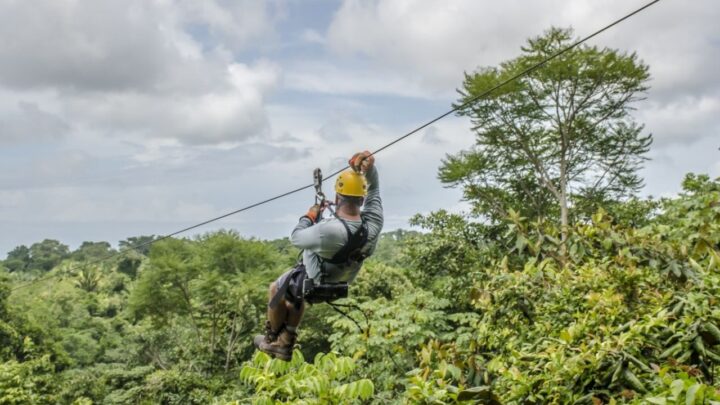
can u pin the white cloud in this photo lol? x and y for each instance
(430, 135)
(311, 36)
(433, 41)
(81, 44)
(111, 45)
(235, 24)
(74, 204)
(352, 79)
(437, 41)
(342, 127)
(683, 120)
(134, 69)
(29, 123)
(671, 161)
(231, 114)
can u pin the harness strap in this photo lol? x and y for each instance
(283, 288)
(355, 242)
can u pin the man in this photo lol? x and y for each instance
(333, 251)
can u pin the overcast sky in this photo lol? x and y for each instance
(129, 117)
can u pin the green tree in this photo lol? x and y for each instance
(130, 264)
(140, 244)
(631, 318)
(562, 130)
(390, 245)
(4, 294)
(47, 254)
(88, 278)
(18, 259)
(92, 251)
(198, 290)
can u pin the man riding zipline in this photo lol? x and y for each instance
(333, 253)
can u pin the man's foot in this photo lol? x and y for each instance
(282, 347)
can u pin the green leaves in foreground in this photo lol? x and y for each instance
(614, 324)
(327, 380)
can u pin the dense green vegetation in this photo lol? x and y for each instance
(559, 287)
(462, 311)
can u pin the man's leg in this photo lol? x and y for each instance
(281, 334)
(294, 315)
(276, 316)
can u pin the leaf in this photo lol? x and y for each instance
(482, 394)
(691, 397)
(367, 389)
(455, 372)
(565, 336)
(676, 387)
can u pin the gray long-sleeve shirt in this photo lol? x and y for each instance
(327, 237)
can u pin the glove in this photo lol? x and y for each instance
(362, 161)
(313, 213)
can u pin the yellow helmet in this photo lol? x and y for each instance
(351, 184)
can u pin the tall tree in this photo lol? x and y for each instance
(92, 251)
(141, 244)
(47, 254)
(563, 130)
(197, 284)
(18, 259)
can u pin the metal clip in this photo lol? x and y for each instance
(317, 182)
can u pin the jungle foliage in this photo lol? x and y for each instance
(615, 302)
(461, 312)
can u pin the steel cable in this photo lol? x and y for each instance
(395, 141)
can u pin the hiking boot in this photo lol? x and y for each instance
(282, 347)
(269, 336)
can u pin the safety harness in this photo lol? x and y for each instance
(352, 250)
(302, 288)
(298, 287)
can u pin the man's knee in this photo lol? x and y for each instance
(294, 306)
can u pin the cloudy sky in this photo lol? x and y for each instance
(130, 117)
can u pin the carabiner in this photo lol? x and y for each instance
(317, 182)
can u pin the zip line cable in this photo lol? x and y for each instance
(170, 235)
(467, 103)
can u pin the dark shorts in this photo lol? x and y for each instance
(294, 278)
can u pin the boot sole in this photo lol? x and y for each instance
(281, 356)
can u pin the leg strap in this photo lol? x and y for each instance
(282, 288)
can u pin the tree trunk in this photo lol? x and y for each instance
(186, 297)
(563, 211)
(231, 344)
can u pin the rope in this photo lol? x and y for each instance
(395, 141)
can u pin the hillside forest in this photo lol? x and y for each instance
(560, 285)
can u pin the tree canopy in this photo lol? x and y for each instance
(515, 303)
(560, 133)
